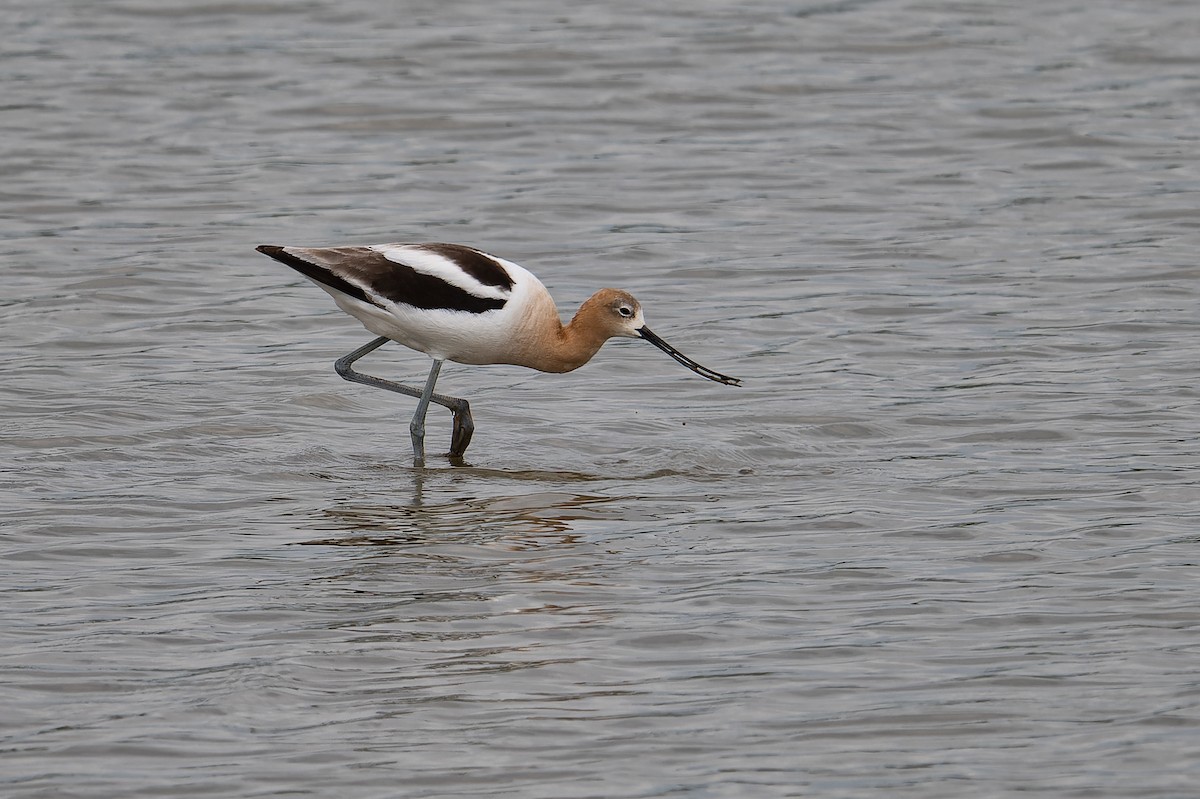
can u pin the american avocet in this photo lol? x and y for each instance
(455, 303)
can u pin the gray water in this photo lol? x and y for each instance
(942, 543)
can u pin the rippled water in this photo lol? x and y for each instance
(942, 543)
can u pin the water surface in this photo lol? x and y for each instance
(941, 543)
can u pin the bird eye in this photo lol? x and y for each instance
(625, 310)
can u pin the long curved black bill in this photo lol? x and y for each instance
(703, 371)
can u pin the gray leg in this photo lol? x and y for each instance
(416, 427)
(464, 425)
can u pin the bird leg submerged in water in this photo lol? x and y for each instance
(464, 425)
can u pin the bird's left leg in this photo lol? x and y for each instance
(417, 426)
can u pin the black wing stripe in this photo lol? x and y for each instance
(317, 273)
(400, 283)
(476, 264)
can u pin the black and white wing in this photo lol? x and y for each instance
(447, 277)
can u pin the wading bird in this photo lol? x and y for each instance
(456, 303)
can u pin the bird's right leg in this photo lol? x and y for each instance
(464, 425)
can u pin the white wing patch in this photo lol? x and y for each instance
(437, 265)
